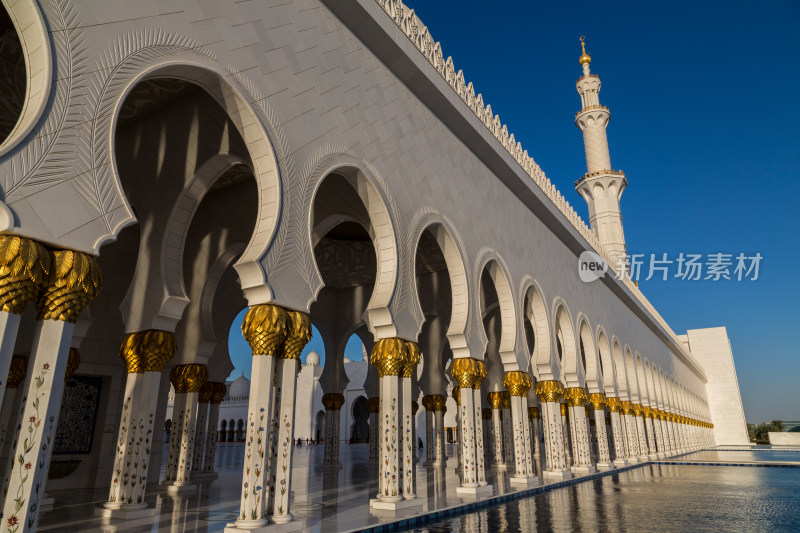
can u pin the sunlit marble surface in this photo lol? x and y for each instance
(324, 499)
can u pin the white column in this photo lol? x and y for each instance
(333, 403)
(374, 437)
(282, 463)
(466, 412)
(390, 466)
(212, 430)
(566, 435)
(617, 431)
(9, 326)
(641, 432)
(440, 457)
(603, 455)
(519, 418)
(550, 393)
(528, 444)
(508, 437)
(429, 451)
(10, 415)
(577, 397)
(200, 428)
(480, 457)
(44, 386)
(173, 448)
(408, 441)
(534, 417)
(186, 443)
(651, 435)
(498, 455)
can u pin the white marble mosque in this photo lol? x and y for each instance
(165, 165)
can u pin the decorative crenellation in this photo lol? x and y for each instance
(265, 327)
(333, 401)
(413, 356)
(469, 373)
(24, 272)
(389, 356)
(418, 34)
(75, 280)
(188, 378)
(549, 391)
(147, 351)
(73, 362)
(517, 382)
(17, 371)
(597, 400)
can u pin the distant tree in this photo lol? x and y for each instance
(751, 431)
(777, 425)
(795, 429)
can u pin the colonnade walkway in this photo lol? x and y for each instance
(325, 499)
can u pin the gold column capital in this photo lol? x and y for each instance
(333, 401)
(576, 396)
(627, 408)
(265, 327)
(505, 398)
(375, 404)
(549, 391)
(75, 280)
(17, 371)
(389, 356)
(297, 336)
(648, 411)
(218, 393)
(564, 409)
(614, 405)
(495, 399)
(533, 412)
(468, 372)
(638, 410)
(486, 413)
(73, 362)
(24, 271)
(413, 356)
(598, 400)
(434, 402)
(147, 351)
(205, 392)
(188, 378)
(517, 382)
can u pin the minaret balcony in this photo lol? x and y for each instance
(591, 108)
(601, 174)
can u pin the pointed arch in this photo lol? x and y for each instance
(588, 356)
(606, 362)
(565, 338)
(496, 268)
(543, 364)
(620, 375)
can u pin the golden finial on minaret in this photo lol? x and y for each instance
(585, 59)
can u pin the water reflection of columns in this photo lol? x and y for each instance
(598, 401)
(549, 394)
(74, 281)
(374, 437)
(617, 432)
(576, 398)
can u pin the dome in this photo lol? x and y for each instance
(240, 387)
(312, 359)
(347, 360)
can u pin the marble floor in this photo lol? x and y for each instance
(324, 500)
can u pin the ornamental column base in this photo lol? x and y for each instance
(621, 463)
(202, 477)
(380, 505)
(126, 511)
(524, 482)
(481, 491)
(583, 470)
(557, 475)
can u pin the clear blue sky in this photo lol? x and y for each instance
(704, 123)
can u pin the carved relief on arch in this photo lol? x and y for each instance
(290, 264)
(406, 306)
(490, 261)
(544, 366)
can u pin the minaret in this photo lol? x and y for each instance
(601, 186)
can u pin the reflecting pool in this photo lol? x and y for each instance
(666, 498)
(744, 456)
